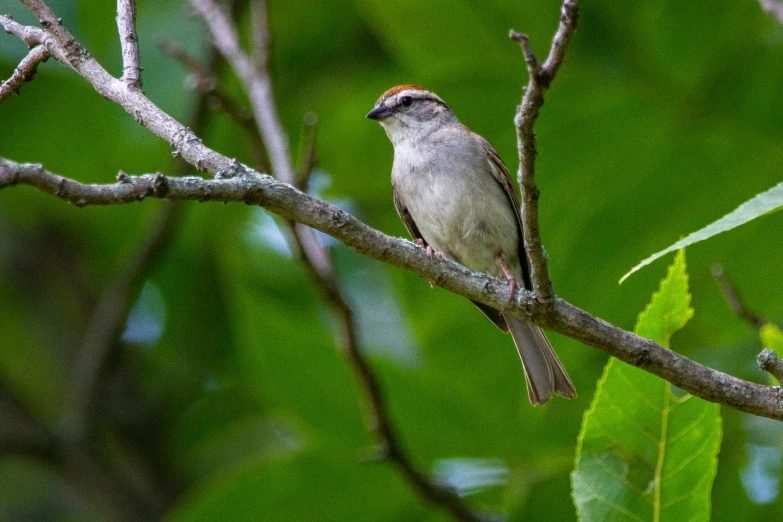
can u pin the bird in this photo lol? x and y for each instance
(456, 199)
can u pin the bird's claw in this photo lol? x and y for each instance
(430, 254)
(430, 251)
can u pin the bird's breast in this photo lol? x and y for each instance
(459, 209)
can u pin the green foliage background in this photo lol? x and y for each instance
(665, 116)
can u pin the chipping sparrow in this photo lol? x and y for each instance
(455, 197)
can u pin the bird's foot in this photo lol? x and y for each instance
(430, 251)
(508, 276)
(430, 254)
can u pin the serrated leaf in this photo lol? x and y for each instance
(669, 309)
(772, 338)
(760, 205)
(644, 453)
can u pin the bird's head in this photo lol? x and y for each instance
(409, 112)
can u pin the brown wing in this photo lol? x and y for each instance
(502, 176)
(405, 216)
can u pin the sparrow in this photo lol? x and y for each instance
(455, 197)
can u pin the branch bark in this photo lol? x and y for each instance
(290, 203)
(129, 41)
(204, 80)
(769, 361)
(541, 76)
(24, 72)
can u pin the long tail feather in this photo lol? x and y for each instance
(544, 373)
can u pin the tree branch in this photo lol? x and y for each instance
(67, 50)
(24, 72)
(307, 156)
(258, 86)
(773, 7)
(733, 299)
(290, 203)
(260, 31)
(129, 41)
(541, 76)
(767, 360)
(204, 80)
(111, 311)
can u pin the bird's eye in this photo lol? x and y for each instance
(406, 101)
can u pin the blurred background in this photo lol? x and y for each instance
(223, 396)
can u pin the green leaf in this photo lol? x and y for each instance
(760, 205)
(669, 308)
(772, 338)
(645, 453)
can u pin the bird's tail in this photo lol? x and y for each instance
(544, 373)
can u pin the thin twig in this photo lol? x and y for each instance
(307, 157)
(66, 49)
(773, 7)
(204, 80)
(541, 76)
(259, 17)
(129, 41)
(101, 340)
(257, 85)
(769, 361)
(30, 35)
(286, 201)
(24, 72)
(733, 299)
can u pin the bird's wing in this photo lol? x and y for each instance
(501, 175)
(405, 216)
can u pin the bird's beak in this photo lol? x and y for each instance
(379, 113)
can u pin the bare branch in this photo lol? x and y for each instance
(204, 80)
(32, 36)
(290, 203)
(773, 7)
(541, 76)
(67, 50)
(260, 31)
(129, 40)
(307, 157)
(258, 87)
(24, 72)
(734, 300)
(111, 311)
(767, 359)
(770, 363)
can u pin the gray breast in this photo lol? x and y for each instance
(459, 208)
